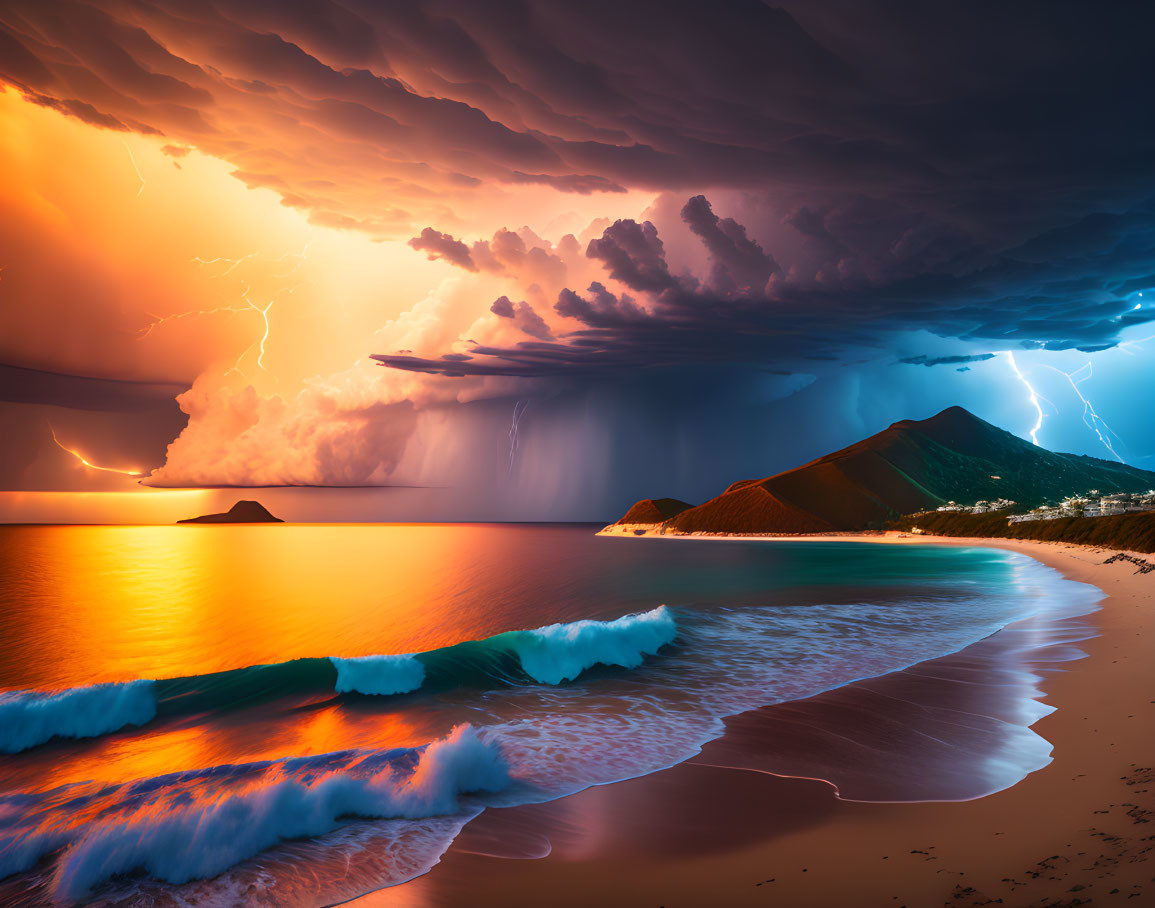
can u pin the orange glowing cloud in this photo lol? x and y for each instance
(124, 266)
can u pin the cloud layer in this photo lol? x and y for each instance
(851, 294)
(818, 184)
(378, 116)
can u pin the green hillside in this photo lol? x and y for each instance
(910, 466)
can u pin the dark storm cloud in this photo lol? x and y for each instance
(78, 392)
(438, 245)
(633, 254)
(1020, 299)
(523, 316)
(502, 307)
(582, 184)
(506, 253)
(980, 171)
(738, 260)
(946, 360)
(113, 421)
(1003, 116)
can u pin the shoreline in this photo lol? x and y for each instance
(1071, 832)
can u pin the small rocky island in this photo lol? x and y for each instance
(241, 512)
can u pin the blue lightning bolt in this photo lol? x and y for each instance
(1032, 395)
(1092, 419)
(1126, 346)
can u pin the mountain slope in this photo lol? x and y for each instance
(910, 466)
(655, 510)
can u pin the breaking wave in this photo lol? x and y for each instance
(197, 824)
(379, 675)
(561, 652)
(28, 718)
(546, 655)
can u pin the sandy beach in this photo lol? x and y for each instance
(1076, 832)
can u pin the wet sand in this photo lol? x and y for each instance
(735, 826)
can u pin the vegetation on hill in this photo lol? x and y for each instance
(1134, 532)
(911, 466)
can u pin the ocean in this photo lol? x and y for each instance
(303, 714)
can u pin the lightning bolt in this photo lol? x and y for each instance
(1139, 342)
(264, 315)
(1032, 395)
(299, 256)
(88, 463)
(233, 263)
(139, 176)
(237, 365)
(160, 320)
(264, 337)
(1092, 419)
(263, 311)
(519, 409)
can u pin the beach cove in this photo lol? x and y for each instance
(1072, 833)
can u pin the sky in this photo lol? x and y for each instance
(535, 261)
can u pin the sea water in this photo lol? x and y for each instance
(307, 713)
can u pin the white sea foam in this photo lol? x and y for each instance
(197, 825)
(381, 675)
(561, 652)
(29, 717)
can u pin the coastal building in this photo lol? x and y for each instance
(979, 507)
(1093, 504)
(1043, 513)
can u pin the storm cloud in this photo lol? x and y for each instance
(1004, 120)
(607, 190)
(1021, 297)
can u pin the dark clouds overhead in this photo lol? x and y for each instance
(924, 360)
(1001, 118)
(634, 255)
(981, 171)
(856, 299)
(438, 245)
(739, 262)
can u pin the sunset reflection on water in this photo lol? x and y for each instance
(93, 604)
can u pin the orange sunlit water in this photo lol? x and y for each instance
(118, 603)
(157, 751)
(99, 604)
